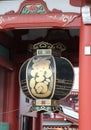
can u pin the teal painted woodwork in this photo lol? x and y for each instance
(33, 9)
(4, 126)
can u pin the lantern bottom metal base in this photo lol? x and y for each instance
(44, 105)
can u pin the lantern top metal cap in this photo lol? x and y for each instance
(56, 48)
(46, 45)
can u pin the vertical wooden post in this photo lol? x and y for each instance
(39, 120)
(13, 99)
(85, 78)
(34, 124)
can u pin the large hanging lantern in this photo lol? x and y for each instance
(46, 78)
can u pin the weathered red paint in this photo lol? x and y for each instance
(85, 79)
(14, 21)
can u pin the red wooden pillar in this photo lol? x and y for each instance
(34, 124)
(39, 121)
(85, 78)
(13, 99)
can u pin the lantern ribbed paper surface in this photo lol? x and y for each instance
(46, 79)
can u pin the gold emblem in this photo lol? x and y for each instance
(41, 73)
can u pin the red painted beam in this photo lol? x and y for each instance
(67, 118)
(53, 119)
(54, 19)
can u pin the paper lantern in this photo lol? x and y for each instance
(46, 79)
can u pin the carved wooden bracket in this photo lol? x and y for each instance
(31, 7)
(34, 14)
